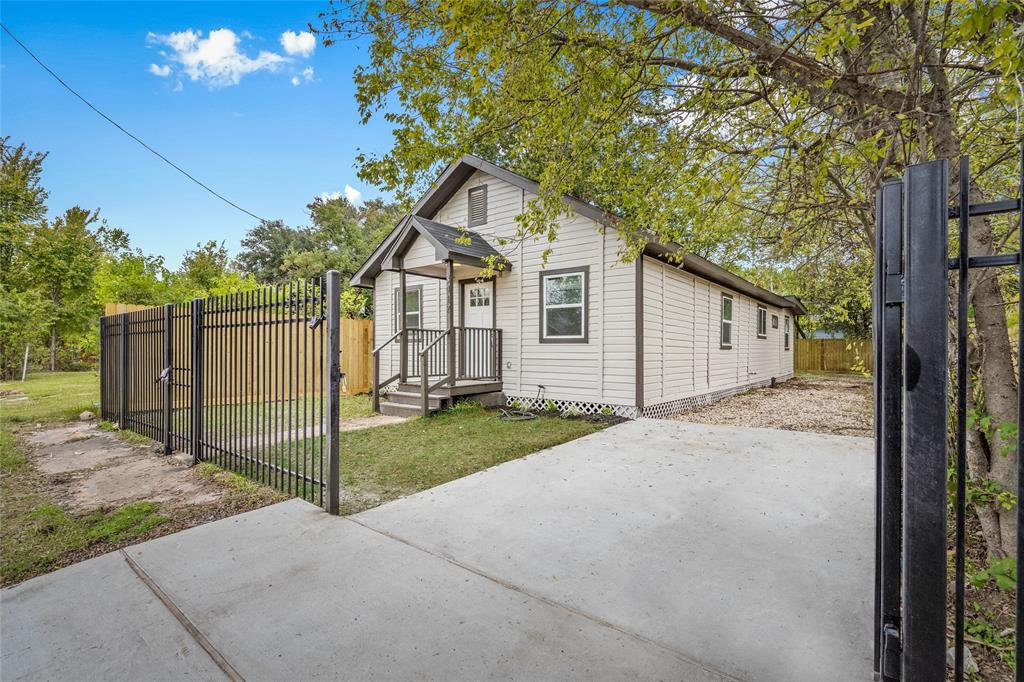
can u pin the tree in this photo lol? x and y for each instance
(22, 203)
(736, 126)
(207, 271)
(62, 257)
(265, 246)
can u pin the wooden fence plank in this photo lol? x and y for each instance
(833, 355)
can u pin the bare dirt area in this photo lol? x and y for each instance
(94, 469)
(838, 405)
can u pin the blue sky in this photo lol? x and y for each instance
(240, 110)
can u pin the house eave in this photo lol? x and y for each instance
(705, 269)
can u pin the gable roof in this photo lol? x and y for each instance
(457, 173)
(448, 242)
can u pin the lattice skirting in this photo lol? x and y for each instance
(662, 410)
(674, 407)
(571, 407)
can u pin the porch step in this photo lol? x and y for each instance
(402, 410)
(435, 402)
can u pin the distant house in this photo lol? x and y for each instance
(585, 332)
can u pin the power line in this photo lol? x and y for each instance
(121, 128)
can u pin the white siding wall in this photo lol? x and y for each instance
(683, 356)
(601, 370)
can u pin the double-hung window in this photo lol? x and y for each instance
(413, 307)
(785, 333)
(762, 322)
(726, 321)
(563, 306)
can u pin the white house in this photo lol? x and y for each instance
(586, 331)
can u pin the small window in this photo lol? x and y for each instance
(564, 306)
(477, 206)
(775, 321)
(479, 297)
(785, 334)
(762, 322)
(413, 297)
(726, 321)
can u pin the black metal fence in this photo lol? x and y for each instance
(912, 417)
(249, 381)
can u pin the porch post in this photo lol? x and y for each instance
(404, 344)
(449, 276)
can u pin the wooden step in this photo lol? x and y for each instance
(402, 410)
(414, 398)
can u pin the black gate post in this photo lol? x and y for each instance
(123, 411)
(888, 323)
(196, 408)
(925, 455)
(167, 373)
(333, 385)
(104, 350)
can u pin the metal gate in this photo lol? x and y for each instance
(911, 312)
(249, 381)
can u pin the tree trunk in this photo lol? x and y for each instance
(53, 347)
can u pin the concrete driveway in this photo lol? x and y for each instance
(652, 550)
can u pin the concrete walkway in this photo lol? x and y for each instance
(652, 550)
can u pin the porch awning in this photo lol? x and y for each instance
(449, 242)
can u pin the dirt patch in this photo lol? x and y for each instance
(357, 423)
(94, 469)
(840, 406)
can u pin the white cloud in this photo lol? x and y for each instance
(298, 44)
(162, 71)
(353, 195)
(215, 60)
(307, 75)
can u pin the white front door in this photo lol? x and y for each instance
(478, 300)
(477, 352)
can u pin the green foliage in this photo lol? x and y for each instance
(550, 406)
(688, 123)
(1002, 572)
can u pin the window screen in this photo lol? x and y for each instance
(563, 312)
(726, 321)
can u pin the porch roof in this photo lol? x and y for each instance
(449, 242)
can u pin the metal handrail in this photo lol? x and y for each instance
(394, 336)
(425, 386)
(377, 384)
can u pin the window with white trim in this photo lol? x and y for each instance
(413, 300)
(785, 333)
(563, 306)
(762, 322)
(726, 321)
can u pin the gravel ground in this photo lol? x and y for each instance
(839, 405)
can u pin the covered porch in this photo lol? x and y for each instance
(459, 357)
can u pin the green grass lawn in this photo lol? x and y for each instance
(391, 461)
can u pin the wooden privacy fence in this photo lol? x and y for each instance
(833, 355)
(356, 345)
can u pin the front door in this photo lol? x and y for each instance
(477, 352)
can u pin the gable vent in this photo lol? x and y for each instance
(477, 206)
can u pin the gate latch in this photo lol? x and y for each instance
(314, 322)
(165, 376)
